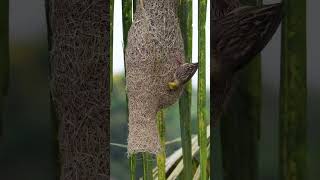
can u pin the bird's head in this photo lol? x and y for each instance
(182, 75)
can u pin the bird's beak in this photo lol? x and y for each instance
(172, 85)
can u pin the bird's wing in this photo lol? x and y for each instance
(222, 7)
(244, 32)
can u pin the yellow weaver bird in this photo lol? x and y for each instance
(183, 74)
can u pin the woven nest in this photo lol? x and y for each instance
(154, 43)
(79, 86)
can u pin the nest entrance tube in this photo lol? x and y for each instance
(154, 40)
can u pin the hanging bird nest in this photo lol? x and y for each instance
(154, 44)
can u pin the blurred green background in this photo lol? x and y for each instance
(26, 148)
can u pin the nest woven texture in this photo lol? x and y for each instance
(154, 43)
(79, 86)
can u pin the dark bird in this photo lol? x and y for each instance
(239, 33)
